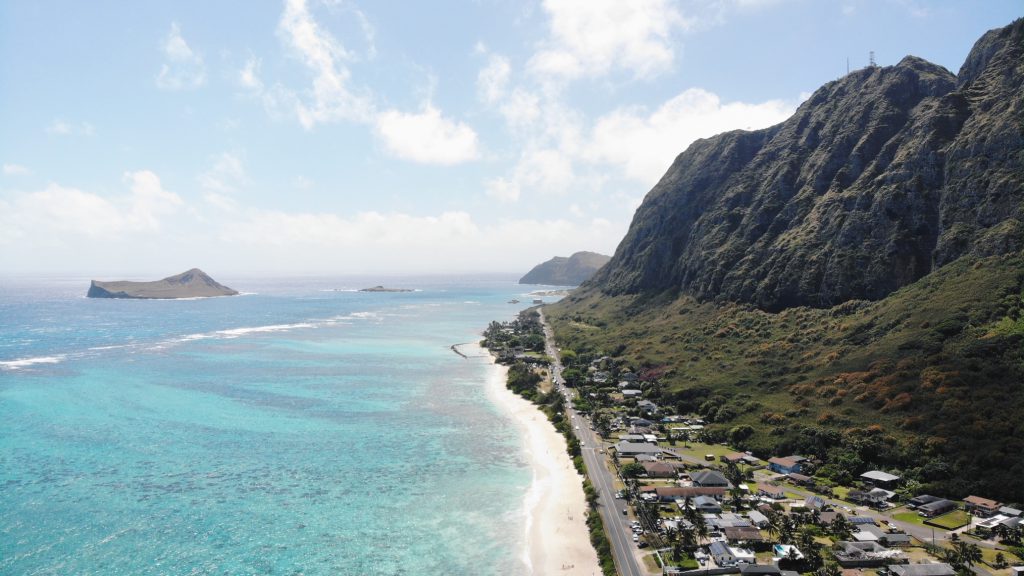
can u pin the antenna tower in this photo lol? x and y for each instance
(871, 59)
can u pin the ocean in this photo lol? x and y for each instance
(300, 428)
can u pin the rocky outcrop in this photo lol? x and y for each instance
(192, 284)
(561, 271)
(879, 178)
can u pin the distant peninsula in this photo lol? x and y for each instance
(383, 289)
(562, 271)
(191, 284)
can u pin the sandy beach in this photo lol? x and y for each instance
(557, 540)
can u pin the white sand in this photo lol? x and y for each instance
(557, 540)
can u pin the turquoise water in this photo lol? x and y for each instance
(292, 430)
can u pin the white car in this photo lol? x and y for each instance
(636, 538)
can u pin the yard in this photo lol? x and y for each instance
(950, 521)
(698, 450)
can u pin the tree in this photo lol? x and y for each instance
(1000, 561)
(829, 569)
(632, 470)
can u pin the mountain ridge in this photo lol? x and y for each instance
(562, 271)
(192, 283)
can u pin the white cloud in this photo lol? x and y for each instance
(183, 68)
(644, 145)
(502, 190)
(330, 97)
(60, 127)
(58, 210)
(590, 38)
(546, 170)
(249, 75)
(427, 137)
(492, 81)
(16, 170)
(225, 175)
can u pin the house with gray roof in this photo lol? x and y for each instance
(936, 569)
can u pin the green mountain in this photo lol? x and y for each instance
(847, 284)
(561, 271)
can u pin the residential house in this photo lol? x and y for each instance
(827, 518)
(631, 393)
(865, 554)
(660, 469)
(771, 491)
(722, 554)
(875, 497)
(880, 479)
(1007, 511)
(709, 479)
(707, 505)
(757, 519)
(786, 465)
(632, 437)
(936, 569)
(868, 533)
(800, 479)
(896, 540)
(862, 520)
(627, 449)
(681, 493)
(647, 406)
(936, 508)
(981, 506)
(814, 502)
(734, 458)
(922, 500)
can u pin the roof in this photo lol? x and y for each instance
(798, 477)
(658, 467)
(743, 533)
(814, 502)
(719, 549)
(683, 491)
(1010, 511)
(936, 569)
(937, 505)
(879, 476)
(708, 477)
(861, 520)
(756, 517)
(705, 501)
(787, 462)
(760, 570)
(983, 502)
(924, 499)
(637, 447)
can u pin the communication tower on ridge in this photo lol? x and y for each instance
(871, 59)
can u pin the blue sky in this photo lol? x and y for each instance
(326, 137)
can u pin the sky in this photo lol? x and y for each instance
(341, 137)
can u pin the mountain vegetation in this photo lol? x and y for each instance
(848, 284)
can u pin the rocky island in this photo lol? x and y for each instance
(562, 271)
(191, 284)
(383, 289)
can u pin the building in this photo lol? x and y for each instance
(681, 493)
(709, 479)
(880, 479)
(875, 497)
(936, 508)
(937, 569)
(814, 502)
(787, 465)
(865, 554)
(660, 469)
(707, 504)
(981, 506)
(757, 519)
(922, 500)
(736, 534)
(628, 449)
(721, 553)
(631, 393)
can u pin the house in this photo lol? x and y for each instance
(770, 491)
(799, 479)
(814, 502)
(660, 469)
(880, 479)
(743, 555)
(760, 570)
(736, 534)
(936, 569)
(641, 458)
(681, 493)
(875, 497)
(981, 506)
(786, 465)
(1007, 511)
(868, 533)
(721, 553)
(936, 508)
(647, 406)
(922, 500)
(632, 438)
(709, 479)
(734, 458)
(757, 519)
(707, 504)
(862, 520)
(865, 554)
(827, 518)
(896, 540)
(627, 449)
(630, 393)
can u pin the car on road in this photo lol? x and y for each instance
(636, 538)
(625, 511)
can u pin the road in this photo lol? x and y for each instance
(616, 524)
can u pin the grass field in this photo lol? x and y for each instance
(909, 518)
(950, 521)
(698, 450)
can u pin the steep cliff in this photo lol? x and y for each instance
(876, 180)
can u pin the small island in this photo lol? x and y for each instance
(383, 289)
(191, 284)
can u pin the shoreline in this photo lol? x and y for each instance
(557, 537)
